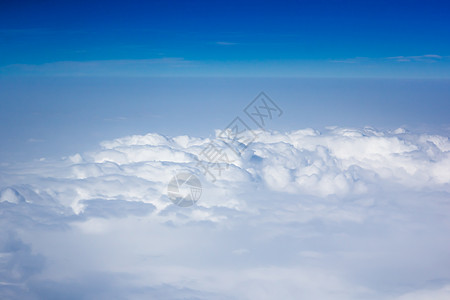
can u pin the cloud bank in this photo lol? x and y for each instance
(340, 214)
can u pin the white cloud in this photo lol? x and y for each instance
(340, 214)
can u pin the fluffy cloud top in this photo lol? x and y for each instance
(341, 214)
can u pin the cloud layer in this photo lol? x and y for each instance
(341, 214)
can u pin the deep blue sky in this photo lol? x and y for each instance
(226, 38)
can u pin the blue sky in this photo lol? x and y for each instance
(233, 38)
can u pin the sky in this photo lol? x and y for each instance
(338, 187)
(54, 116)
(233, 38)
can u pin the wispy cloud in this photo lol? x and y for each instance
(27, 31)
(99, 67)
(37, 32)
(417, 58)
(222, 43)
(399, 58)
(33, 140)
(354, 60)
